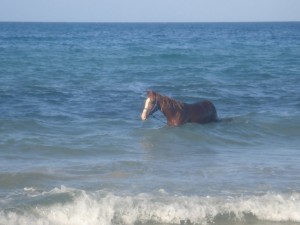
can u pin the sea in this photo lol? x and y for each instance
(74, 150)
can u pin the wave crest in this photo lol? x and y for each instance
(111, 209)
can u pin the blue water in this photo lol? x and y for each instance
(73, 149)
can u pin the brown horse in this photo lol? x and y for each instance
(177, 112)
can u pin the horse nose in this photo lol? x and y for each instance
(144, 115)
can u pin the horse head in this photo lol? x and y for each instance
(151, 105)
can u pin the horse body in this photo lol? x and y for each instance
(177, 112)
(202, 112)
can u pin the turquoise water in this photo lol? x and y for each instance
(73, 149)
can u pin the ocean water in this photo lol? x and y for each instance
(73, 149)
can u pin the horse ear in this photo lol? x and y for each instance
(150, 93)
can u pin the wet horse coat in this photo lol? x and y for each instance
(177, 112)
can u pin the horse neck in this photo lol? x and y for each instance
(169, 106)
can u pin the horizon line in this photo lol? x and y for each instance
(128, 22)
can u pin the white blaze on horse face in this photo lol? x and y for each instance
(146, 108)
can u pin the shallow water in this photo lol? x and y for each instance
(73, 149)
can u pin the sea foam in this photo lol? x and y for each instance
(93, 208)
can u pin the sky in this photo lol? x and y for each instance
(149, 10)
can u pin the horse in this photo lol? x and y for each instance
(178, 112)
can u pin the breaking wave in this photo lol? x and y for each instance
(62, 206)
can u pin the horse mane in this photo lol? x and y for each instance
(168, 102)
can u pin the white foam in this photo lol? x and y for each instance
(109, 209)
